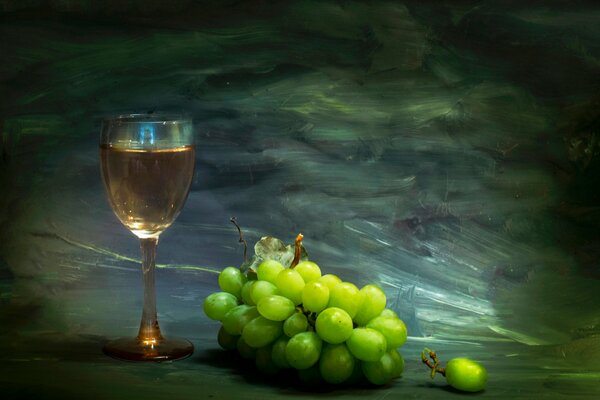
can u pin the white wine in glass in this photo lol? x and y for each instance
(147, 163)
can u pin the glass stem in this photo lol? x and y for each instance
(149, 329)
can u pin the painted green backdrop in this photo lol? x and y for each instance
(448, 151)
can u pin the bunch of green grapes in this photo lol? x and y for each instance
(296, 318)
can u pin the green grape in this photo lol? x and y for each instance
(336, 363)
(245, 351)
(268, 270)
(393, 329)
(303, 350)
(329, 280)
(290, 285)
(334, 325)
(370, 304)
(226, 340)
(295, 324)
(308, 270)
(382, 371)
(366, 344)
(387, 312)
(262, 289)
(278, 352)
(264, 362)
(231, 281)
(261, 331)
(246, 293)
(216, 305)
(236, 319)
(276, 308)
(315, 296)
(466, 375)
(345, 296)
(398, 363)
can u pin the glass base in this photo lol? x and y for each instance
(134, 349)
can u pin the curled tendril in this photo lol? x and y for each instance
(242, 240)
(430, 358)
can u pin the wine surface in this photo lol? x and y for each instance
(147, 188)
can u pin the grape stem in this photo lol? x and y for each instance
(297, 250)
(433, 364)
(241, 240)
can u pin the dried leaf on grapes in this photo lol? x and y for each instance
(271, 248)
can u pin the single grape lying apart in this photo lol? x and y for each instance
(290, 317)
(467, 375)
(461, 373)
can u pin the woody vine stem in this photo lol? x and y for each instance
(242, 240)
(297, 250)
(432, 362)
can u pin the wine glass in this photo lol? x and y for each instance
(147, 168)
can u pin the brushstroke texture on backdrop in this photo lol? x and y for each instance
(449, 153)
